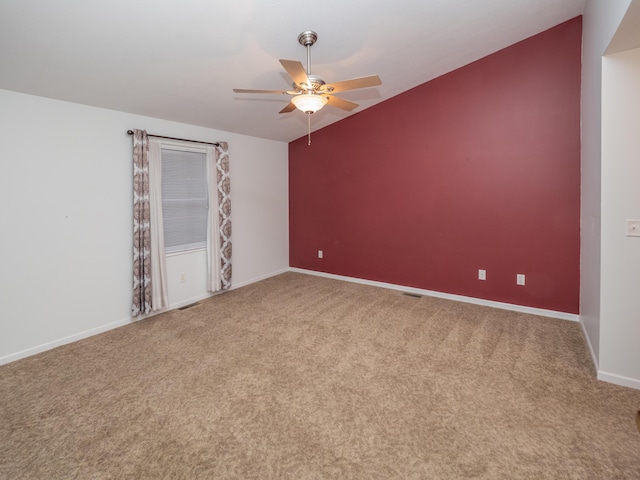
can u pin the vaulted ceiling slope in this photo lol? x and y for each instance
(181, 60)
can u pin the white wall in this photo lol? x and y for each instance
(620, 278)
(600, 21)
(66, 216)
(193, 267)
(610, 277)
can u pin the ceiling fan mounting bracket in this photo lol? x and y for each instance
(307, 38)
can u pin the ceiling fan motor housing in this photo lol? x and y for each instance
(315, 83)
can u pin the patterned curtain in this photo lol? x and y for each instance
(224, 213)
(141, 226)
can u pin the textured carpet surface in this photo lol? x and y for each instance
(301, 377)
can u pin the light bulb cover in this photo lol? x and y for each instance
(309, 102)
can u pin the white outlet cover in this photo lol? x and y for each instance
(482, 274)
(320, 254)
(520, 279)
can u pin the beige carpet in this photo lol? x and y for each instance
(301, 377)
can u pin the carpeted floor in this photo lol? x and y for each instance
(302, 377)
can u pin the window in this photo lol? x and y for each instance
(184, 199)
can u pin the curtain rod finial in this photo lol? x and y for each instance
(130, 132)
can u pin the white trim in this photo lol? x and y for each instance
(69, 339)
(258, 279)
(619, 380)
(125, 321)
(449, 296)
(181, 146)
(189, 301)
(183, 252)
(594, 358)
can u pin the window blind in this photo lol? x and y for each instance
(184, 200)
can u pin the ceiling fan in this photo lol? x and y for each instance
(310, 93)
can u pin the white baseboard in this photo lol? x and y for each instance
(184, 303)
(594, 358)
(606, 376)
(12, 357)
(63, 341)
(258, 279)
(449, 296)
(601, 375)
(619, 380)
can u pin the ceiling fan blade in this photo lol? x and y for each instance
(296, 71)
(353, 84)
(341, 103)
(242, 90)
(289, 108)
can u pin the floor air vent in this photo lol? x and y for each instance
(414, 295)
(189, 306)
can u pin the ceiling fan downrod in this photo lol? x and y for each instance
(307, 39)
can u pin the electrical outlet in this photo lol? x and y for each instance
(482, 274)
(320, 254)
(520, 278)
(183, 277)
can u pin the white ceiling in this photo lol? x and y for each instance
(180, 60)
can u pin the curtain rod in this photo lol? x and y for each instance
(130, 132)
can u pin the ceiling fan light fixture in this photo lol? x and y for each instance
(309, 102)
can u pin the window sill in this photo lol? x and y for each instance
(185, 252)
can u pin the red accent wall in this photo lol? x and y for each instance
(477, 169)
